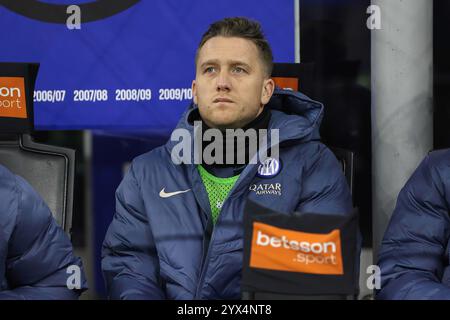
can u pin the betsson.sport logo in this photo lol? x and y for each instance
(287, 250)
(12, 98)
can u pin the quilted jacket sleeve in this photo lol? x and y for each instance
(412, 253)
(129, 260)
(39, 262)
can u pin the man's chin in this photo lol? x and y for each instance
(223, 125)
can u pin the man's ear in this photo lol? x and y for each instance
(194, 91)
(268, 88)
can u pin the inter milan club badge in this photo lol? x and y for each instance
(269, 168)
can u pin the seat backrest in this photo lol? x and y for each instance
(302, 77)
(347, 159)
(48, 169)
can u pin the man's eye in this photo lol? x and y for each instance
(209, 70)
(238, 70)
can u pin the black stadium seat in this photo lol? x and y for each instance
(49, 169)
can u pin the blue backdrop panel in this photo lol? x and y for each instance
(131, 70)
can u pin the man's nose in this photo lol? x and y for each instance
(223, 81)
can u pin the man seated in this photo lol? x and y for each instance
(36, 256)
(178, 228)
(414, 254)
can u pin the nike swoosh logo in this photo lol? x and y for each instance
(164, 194)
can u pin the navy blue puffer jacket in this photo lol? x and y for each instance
(159, 247)
(414, 255)
(36, 256)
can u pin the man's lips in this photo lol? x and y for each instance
(218, 100)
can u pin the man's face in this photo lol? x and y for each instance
(230, 87)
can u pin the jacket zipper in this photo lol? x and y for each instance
(205, 264)
(209, 229)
